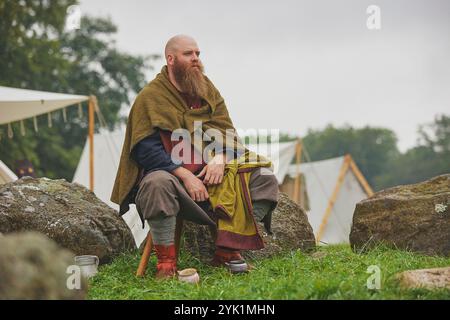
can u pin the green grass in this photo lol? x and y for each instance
(338, 274)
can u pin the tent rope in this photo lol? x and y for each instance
(49, 118)
(22, 128)
(80, 111)
(64, 114)
(10, 131)
(35, 124)
(109, 140)
(105, 125)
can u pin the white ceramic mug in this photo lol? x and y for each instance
(189, 275)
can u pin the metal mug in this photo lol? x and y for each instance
(237, 266)
(88, 265)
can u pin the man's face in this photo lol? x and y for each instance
(186, 58)
(186, 53)
(188, 69)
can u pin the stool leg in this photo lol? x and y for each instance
(145, 256)
(178, 233)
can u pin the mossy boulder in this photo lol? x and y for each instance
(413, 217)
(290, 226)
(34, 267)
(66, 212)
(432, 279)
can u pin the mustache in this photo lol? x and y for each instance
(198, 65)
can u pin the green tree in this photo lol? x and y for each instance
(431, 157)
(36, 53)
(30, 52)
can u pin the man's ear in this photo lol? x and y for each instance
(170, 59)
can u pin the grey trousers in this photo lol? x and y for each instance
(162, 197)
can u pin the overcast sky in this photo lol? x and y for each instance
(294, 65)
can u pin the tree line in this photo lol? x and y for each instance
(376, 153)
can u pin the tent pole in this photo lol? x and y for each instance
(343, 171)
(360, 177)
(298, 155)
(92, 102)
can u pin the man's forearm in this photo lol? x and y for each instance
(182, 173)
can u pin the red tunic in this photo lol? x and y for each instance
(192, 103)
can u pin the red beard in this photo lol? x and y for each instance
(190, 78)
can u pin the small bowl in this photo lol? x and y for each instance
(237, 266)
(189, 275)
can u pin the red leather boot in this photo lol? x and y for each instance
(223, 255)
(167, 261)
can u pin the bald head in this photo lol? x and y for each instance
(178, 43)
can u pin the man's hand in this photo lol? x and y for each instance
(214, 170)
(194, 186)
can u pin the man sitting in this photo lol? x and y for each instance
(163, 188)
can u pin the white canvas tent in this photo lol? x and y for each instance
(108, 146)
(19, 104)
(334, 187)
(6, 175)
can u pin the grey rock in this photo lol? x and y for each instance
(412, 217)
(66, 212)
(436, 278)
(34, 267)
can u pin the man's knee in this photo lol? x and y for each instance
(158, 181)
(157, 195)
(268, 177)
(159, 177)
(263, 185)
(263, 176)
